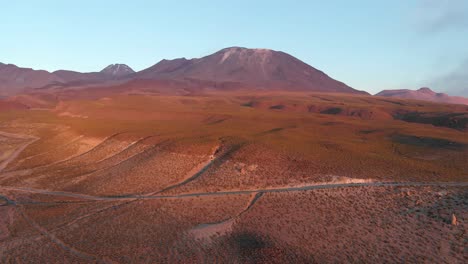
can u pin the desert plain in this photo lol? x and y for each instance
(136, 174)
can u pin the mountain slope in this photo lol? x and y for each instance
(425, 94)
(14, 79)
(260, 68)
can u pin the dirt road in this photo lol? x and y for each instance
(15, 153)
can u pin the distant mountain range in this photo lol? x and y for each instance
(14, 79)
(251, 68)
(425, 94)
(229, 68)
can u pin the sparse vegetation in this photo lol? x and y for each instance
(72, 195)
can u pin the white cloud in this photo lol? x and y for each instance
(455, 82)
(433, 16)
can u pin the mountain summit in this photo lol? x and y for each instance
(256, 68)
(425, 94)
(117, 70)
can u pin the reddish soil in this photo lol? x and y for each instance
(231, 177)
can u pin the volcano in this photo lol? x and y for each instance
(258, 68)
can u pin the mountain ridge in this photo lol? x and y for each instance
(424, 94)
(15, 79)
(232, 67)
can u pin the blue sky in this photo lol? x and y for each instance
(370, 45)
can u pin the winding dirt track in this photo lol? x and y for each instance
(197, 172)
(15, 154)
(57, 241)
(236, 192)
(250, 204)
(54, 148)
(75, 156)
(191, 175)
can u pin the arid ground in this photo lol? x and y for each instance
(146, 176)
